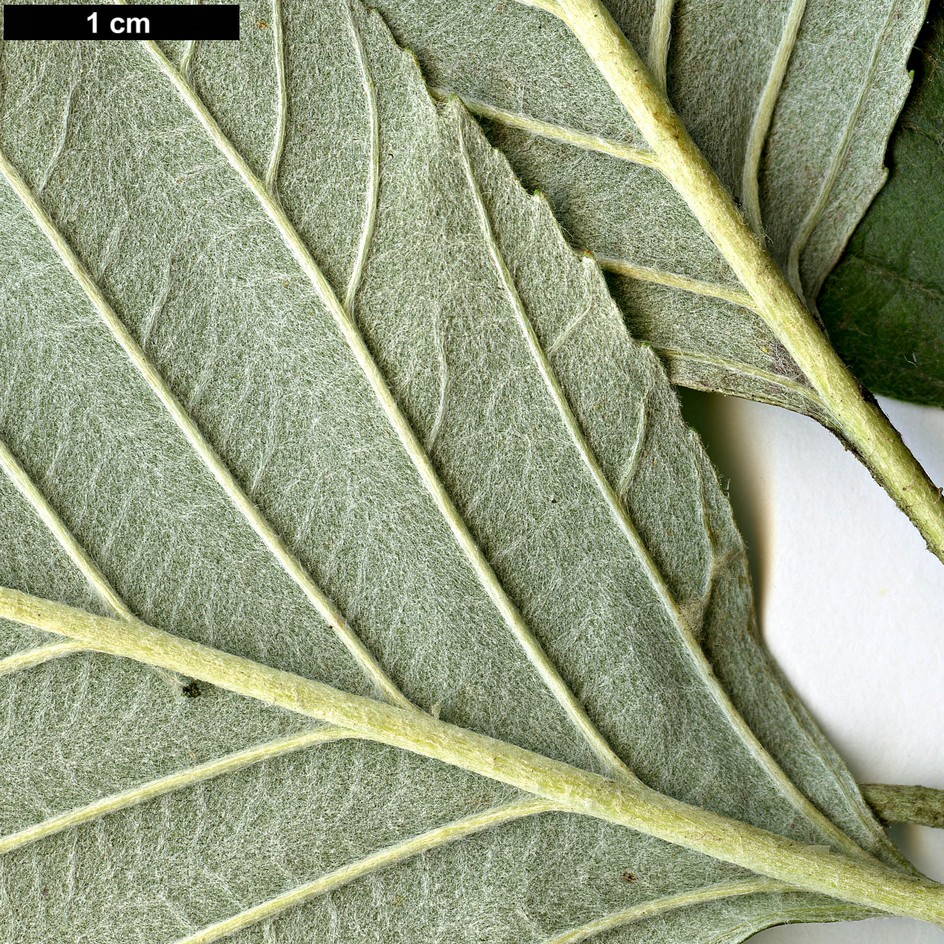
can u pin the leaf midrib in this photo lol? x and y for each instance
(356, 342)
(635, 806)
(434, 485)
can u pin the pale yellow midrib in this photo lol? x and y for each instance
(384, 396)
(393, 855)
(195, 438)
(814, 868)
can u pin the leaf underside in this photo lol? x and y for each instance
(791, 101)
(520, 544)
(884, 303)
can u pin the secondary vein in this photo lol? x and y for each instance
(41, 654)
(620, 64)
(815, 213)
(660, 34)
(281, 96)
(63, 535)
(627, 528)
(368, 366)
(539, 659)
(393, 855)
(552, 131)
(660, 906)
(673, 280)
(195, 438)
(178, 780)
(373, 162)
(763, 114)
(794, 387)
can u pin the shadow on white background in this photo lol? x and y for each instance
(852, 607)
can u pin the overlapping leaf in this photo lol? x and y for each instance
(791, 101)
(332, 409)
(883, 303)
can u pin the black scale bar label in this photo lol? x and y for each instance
(121, 21)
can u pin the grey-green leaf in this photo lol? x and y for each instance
(375, 424)
(791, 101)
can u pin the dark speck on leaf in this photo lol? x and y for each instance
(191, 689)
(629, 877)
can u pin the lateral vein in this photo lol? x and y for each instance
(373, 162)
(660, 906)
(654, 575)
(740, 367)
(357, 344)
(552, 131)
(178, 780)
(186, 60)
(29, 658)
(23, 482)
(25, 485)
(195, 438)
(673, 280)
(660, 34)
(526, 639)
(763, 115)
(281, 97)
(816, 211)
(393, 855)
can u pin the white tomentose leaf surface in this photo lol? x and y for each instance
(792, 102)
(290, 365)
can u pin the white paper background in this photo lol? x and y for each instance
(852, 606)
